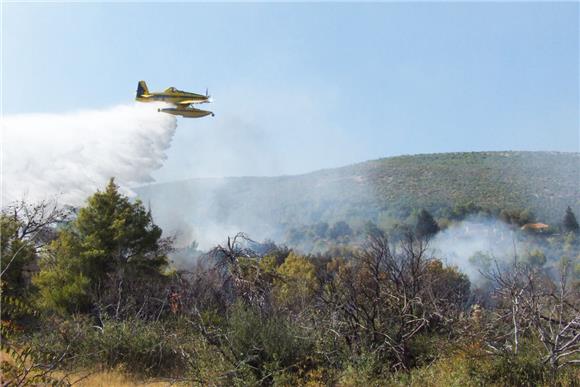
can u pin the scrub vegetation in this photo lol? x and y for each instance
(95, 290)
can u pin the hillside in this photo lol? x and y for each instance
(543, 182)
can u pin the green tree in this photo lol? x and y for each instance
(110, 238)
(570, 222)
(340, 229)
(298, 282)
(426, 226)
(16, 253)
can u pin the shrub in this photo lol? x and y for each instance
(268, 344)
(140, 348)
(365, 369)
(508, 369)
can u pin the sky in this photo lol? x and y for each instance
(300, 87)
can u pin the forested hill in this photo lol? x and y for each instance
(390, 188)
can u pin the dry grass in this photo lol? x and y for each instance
(112, 379)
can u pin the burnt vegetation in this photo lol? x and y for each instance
(96, 289)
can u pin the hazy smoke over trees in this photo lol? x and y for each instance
(462, 243)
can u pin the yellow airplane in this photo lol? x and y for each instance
(181, 99)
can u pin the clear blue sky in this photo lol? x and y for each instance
(299, 87)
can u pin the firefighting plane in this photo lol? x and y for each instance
(182, 100)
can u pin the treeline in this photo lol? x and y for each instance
(97, 291)
(385, 191)
(322, 236)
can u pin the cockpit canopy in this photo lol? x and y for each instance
(173, 90)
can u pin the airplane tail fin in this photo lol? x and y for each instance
(142, 89)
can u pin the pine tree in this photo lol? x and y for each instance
(111, 235)
(570, 222)
(426, 226)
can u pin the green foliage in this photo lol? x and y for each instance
(448, 283)
(517, 217)
(365, 369)
(112, 230)
(139, 347)
(20, 363)
(16, 254)
(525, 369)
(110, 235)
(426, 226)
(297, 284)
(266, 345)
(472, 366)
(72, 296)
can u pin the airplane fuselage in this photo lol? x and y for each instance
(182, 100)
(173, 98)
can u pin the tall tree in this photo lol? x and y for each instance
(110, 238)
(570, 222)
(426, 226)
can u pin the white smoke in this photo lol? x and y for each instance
(71, 155)
(458, 244)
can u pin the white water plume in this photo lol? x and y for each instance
(69, 156)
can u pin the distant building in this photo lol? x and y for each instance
(539, 227)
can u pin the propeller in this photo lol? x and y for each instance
(209, 98)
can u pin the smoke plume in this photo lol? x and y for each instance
(68, 156)
(462, 241)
